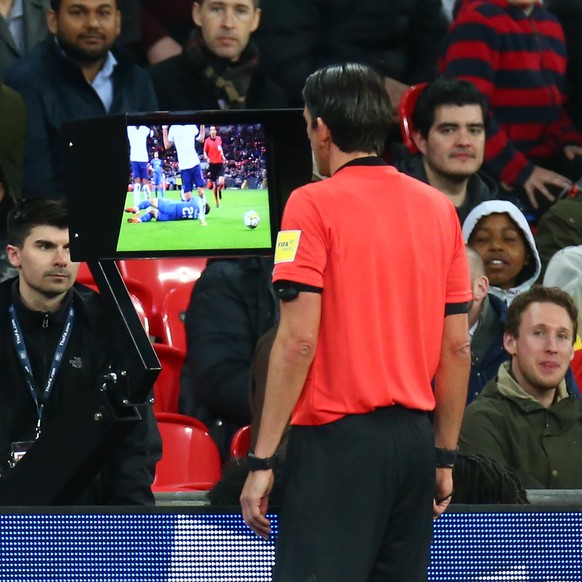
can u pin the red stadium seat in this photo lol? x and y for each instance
(190, 458)
(173, 311)
(167, 385)
(85, 277)
(405, 109)
(152, 279)
(137, 304)
(241, 442)
(176, 417)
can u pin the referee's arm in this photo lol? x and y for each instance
(451, 381)
(291, 357)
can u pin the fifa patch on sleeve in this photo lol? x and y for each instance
(286, 246)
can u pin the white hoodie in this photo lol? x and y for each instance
(500, 207)
(565, 271)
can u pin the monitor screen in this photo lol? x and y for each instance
(175, 207)
(183, 184)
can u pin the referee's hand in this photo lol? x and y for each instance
(254, 501)
(443, 491)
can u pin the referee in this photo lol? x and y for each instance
(371, 271)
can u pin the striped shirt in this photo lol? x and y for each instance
(518, 61)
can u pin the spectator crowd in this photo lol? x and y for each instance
(487, 103)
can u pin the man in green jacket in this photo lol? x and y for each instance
(525, 417)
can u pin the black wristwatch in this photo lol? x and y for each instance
(445, 458)
(258, 464)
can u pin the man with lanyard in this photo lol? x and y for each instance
(56, 343)
(373, 307)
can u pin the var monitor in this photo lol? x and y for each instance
(208, 183)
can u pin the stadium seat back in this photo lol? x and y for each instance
(190, 457)
(405, 109)
(167, 385)
(152, 279)
(173, 312)
(85, 277)
(178, 418)
(141, 313)
(241, 442)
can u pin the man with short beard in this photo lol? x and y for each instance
(74, 74)
(57, 340)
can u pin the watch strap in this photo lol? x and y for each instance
(259, 464)
(445, 458)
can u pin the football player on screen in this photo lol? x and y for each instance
(164, 210)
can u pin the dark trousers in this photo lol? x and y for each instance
(357, 500)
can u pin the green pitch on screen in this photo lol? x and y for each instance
(225, 228)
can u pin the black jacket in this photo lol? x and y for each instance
(400, 39)
(479, 188)
(232, 306)
(6, 205)
(55, 91)
(487, 351)
(12, 138)
(181, 85)
(127, 475)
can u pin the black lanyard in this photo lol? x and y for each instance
(25, 361)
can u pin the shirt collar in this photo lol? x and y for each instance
(473, 329)
(17, 10)
(366, 161)
(108, 66)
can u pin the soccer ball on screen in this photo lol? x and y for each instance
(251, 219)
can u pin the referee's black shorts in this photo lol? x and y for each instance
(357, 503)
(215, 171)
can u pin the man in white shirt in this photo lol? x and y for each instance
(139, 158)
(183, 138)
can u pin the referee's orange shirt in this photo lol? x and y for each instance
(388, 254)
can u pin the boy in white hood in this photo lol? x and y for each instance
(500, 233)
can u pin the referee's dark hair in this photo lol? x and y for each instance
(352, 101)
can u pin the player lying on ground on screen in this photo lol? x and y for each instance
(164, 210)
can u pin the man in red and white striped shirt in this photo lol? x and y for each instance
(514, 52)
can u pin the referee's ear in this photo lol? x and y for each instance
(323, 130)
